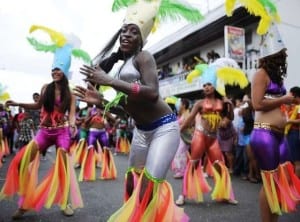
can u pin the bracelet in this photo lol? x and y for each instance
(135, 88)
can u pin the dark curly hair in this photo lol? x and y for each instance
(275, 65)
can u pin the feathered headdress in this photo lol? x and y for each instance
(3, 94)
(147, 14)
(265, 9)
(63, 47)
(219, 73)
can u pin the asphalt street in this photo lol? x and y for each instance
(102, 198)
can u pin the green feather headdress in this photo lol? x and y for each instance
(147, 14)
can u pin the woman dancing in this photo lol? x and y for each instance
(281, 187)
(57, 126)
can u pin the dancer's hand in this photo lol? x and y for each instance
(11, 103)
(73, 130)
(89, 95)
(96, 75)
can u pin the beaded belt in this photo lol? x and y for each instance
(157, 123)
(267, 126)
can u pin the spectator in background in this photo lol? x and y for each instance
(292, 129)
(226, 136)
(244, 128)
(4, 129)
(35, 115)
(181, 157)
(16, 127)
(27, 129)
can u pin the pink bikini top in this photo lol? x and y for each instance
(53, 119)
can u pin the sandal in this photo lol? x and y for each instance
(18, 214)
(253, 180)
(68, 212)
(180, 200)
(233, 202)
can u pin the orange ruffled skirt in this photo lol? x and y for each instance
(156, 205)
(59, 186)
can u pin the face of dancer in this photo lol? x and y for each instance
(57, 75)
(130, 39)
(208, 89)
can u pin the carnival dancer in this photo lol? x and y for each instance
(281, 187)
(4, 129)
(57, 125)
(122, 141)
(97, 150)
(148, 196)
(215, 111)
(81, 145)
(292, 129)
(182, 155)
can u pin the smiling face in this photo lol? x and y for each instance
(57, 74)
(130, 39)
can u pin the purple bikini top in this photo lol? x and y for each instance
(275, 89)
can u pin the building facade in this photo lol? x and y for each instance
(178, 53)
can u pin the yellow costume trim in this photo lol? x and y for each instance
(213, 119)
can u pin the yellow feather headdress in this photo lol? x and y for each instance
(219, 73)
(265, 9)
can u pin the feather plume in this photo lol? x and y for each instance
(114, 102)
(229, 6)
(40, 46)
(171, 100)
(81, 54)
(192, 75)
(57, 37)
(118, 4)
(262, 8)
(199, 69)
(270, 6)
(175, 10)
(3, 94)
(232, 76)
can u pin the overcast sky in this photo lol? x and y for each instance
(24, 70)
